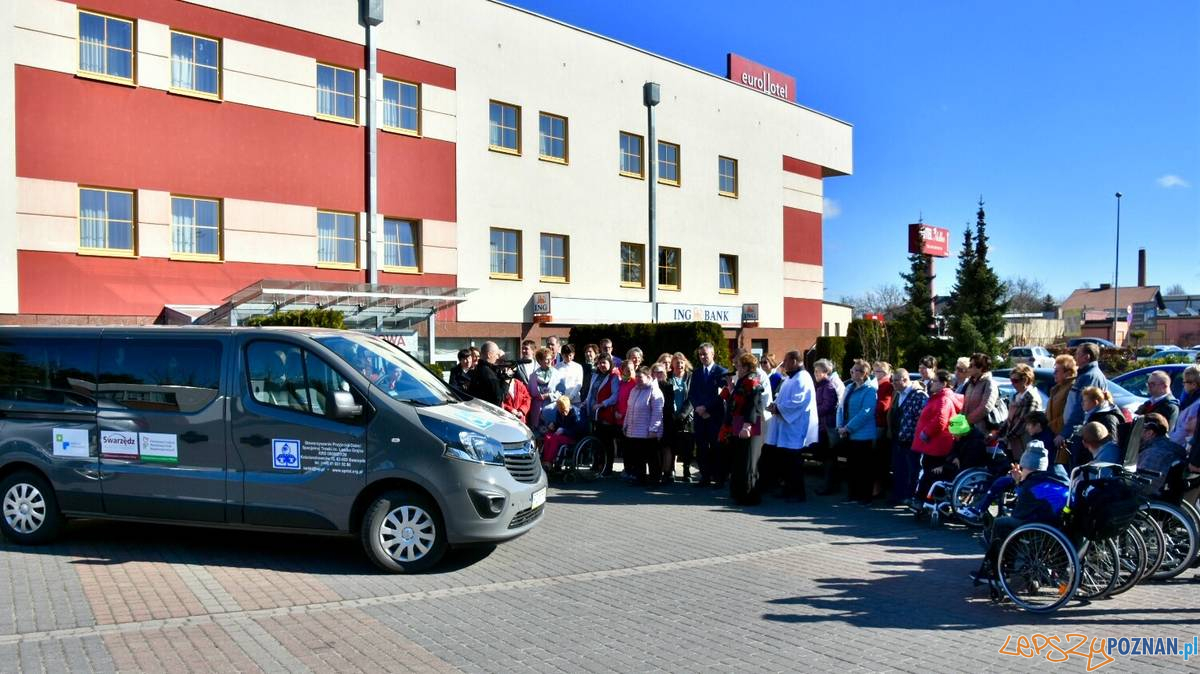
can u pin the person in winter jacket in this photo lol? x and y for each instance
(933, 439)
(981, 395)
(643, 427)
(745, 401)
(1188, 408)
(1026, 401)
(1098, 406)
(679, 417)
(909, 400)
(1087, 356)
(568, 427)
(856, 428)
(1064, 378)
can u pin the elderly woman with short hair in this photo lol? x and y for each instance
(1026, 401)
(1065, 370)
(981, 395)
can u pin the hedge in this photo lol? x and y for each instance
(310, 318)
(655, 338)
(833, 348)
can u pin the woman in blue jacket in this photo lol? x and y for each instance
(856, 428)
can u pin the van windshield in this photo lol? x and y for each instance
(391, 369)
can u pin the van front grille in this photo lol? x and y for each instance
(525, 517)
(522, 463)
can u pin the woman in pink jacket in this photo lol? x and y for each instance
(643, 425)
(932, 439)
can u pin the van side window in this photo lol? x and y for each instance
(285, 376)
(49, 370)
(164, 375)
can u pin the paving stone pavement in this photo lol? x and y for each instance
(614, 579)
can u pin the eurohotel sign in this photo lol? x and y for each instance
(760, 78)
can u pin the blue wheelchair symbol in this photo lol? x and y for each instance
(285, 454)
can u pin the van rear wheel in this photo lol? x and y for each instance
(402, 532)
(28, 509)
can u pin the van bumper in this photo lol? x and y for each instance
(467, 515)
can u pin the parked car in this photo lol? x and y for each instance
(1103, 343)
(1134, 381)
(1033, 356)
(1044, 378)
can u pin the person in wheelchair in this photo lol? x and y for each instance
(969, 449)
(566, 428)
(1037, 429)
(1158, 453)
(1041, 497)
(1100, 443)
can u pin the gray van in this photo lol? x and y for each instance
(282, 429)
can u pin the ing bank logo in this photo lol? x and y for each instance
(1096, 652)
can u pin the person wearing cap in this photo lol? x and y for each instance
(1041, 497)
(1158, 452)
(1100, 443)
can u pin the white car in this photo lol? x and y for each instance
(1033, 356)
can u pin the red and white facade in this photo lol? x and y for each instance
(260, 149)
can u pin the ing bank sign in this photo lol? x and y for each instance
(686, 313)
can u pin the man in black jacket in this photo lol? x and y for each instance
(485, 380)
(1158, 385)
(460, 375)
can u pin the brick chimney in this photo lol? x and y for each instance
(1141, 267)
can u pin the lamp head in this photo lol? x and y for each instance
(1119, 195)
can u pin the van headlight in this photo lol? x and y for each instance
(466, 445)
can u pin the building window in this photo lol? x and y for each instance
(837, 329)
(337, 93)
(631, 155)
(556, 251)
(106, 46)
(337, 239)
(106, 222)
(552, 133)
(727, 181)
(402, 106)
(668, 163)
(633, 259)
(826, 333)
(196, 227)
(195, 65)
(668, 268)
(505, 253)
(401, 241)
(728, 272)
(504, 127)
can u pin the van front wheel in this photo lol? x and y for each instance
(402, 532)
(30, 509)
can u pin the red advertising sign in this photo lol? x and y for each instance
(929, 240)
(761, 78)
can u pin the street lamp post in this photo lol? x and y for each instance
(650, 98)
(1117, 269)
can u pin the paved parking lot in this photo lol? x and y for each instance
(614, 579)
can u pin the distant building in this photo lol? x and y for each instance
(1088, 312)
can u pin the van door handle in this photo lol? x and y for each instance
(193, 436)
(255, 441)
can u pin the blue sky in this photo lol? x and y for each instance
(1046, 109)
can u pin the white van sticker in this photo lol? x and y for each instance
(476, 419)
(159, 447)
(72, 442)
(119, 444)
(285, 454)
(344, 458)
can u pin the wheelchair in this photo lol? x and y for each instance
(578, 461)
(1178, 520)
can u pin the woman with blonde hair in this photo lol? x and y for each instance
(1025, 401)
(1098, 406)
(1065, 370)
(678, 439)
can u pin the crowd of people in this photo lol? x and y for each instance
(888, 434)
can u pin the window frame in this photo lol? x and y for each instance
(621, 154)
(501, 148)
(505, 276)
(566, 258)
(416, 133)
(197, 93)
(133, 49)
(357, 240)
(721, 176)
(133, 214)
(351, 121)
(219, 256)
(641, 266)
(417, 231)
(733, 274)
(305, 354)
(678, 285)
(678, 163)
(566, 139)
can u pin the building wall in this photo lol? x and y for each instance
(8, 159)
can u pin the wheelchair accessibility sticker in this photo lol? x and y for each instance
(476, 419)
(1098, 651)
(285, 454)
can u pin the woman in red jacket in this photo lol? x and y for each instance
(933, 440)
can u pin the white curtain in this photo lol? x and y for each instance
(91, 219)
(183, 226)
(183, 71)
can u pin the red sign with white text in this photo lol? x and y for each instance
(928, 240)
(761, 78)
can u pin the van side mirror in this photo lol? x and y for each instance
(344, 406)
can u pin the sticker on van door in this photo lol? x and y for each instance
(159, 447)
(72, 442)
(285, 454)
(118, 445)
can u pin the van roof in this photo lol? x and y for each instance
(162, 329)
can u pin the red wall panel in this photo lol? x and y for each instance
(66, 283)
(403, 67)
(804, 168)
(801, 236)
(801, 313)
(78, 130)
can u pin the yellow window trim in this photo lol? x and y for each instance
(400, 270)
(666, 287)
(108, 252)
(627, 174)
(337, 265)
(192, 93)
(504, 150)
(664, 181)
(133, 50)
(400, 131)
(420, 117)
(725, 291)
(554, 279)
(340, 120)
(101, 77)
(196, 93)
(627, 284)
(731, 195)
(552, 159)
(195, 257)
(504, 277)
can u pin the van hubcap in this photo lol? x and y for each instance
(24, 508)
(407, 533)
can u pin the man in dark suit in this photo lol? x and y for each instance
(485, 381)
(1158, 385)
(460, 375)
(705, 396)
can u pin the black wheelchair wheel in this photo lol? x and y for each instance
(1132, 558)
(1038, 568)
(1099, 569)
(584, 459)
(1156, 547)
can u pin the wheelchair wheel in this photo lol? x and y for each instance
(1132, 557)
(1038, 568)
(968, 488)
(584, 460)
(1179, 539)
(1152, 535)
(1099, 569)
